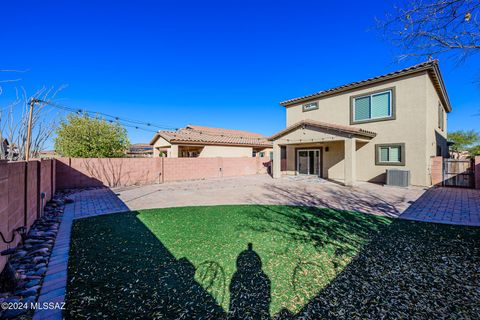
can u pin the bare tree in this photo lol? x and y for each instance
(4, 145)
(429, 28)
(14, 123)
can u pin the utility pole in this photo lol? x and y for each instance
(29, 129)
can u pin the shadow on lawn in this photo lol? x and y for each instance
(250, 288)
(400, 269)
(409, 270)
(122, 269)
(342, 231)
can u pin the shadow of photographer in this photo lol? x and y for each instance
(250, 288)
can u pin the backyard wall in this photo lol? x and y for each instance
(114, 172)
(437, 170)
(21, 184)
(477, 172)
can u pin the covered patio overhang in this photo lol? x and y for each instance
(318, 148)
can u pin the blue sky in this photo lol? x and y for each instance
(214, 63)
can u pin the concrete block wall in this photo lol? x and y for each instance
(16, 200)
(112, 172)
(178, 169)
(437, 170)
(4, 212)
(47, 178)
(477, 172)
(234, 167)
(33, 191)
(20, 186)
(78, 173)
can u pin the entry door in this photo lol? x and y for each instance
(308, 161)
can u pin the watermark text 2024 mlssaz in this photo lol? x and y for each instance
(32, 305)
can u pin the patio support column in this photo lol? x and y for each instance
(174, 151)
(350, 162)
(276, 173)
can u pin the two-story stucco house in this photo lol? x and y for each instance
(356, 131)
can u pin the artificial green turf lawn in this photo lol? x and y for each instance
(312, 243)
(180, 263)
(302, 250)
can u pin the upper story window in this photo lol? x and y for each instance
(441, 117)
(376, 106)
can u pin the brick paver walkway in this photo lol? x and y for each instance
(96, 202)
(86, 203)
(446, 205)
(55, 281)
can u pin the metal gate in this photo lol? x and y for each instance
(458, 173)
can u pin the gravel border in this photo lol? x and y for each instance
(32, 257)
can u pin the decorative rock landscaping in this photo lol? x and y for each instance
(23, 276)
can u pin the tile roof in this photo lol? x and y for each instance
(225, 131)
(213, 136)
(138, 148)
(326, 126)
(430, 66)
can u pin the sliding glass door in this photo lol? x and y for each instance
(308, 161)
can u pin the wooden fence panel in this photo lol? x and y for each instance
(458, 173)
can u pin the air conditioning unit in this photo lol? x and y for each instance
(398, 177)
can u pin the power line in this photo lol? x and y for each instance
(136, 124)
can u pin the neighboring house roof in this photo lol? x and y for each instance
(325, 126)
(212, 136)
(225, 131)
(430, 66)
(140, 148)
(47, 154)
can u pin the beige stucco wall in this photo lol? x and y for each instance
(333, 159)
(266, 152)
(208, 151)
(225, 151)
(412, 126)
(162, 143)
(332, 166)
(434, 135)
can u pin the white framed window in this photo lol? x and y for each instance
(372, 107)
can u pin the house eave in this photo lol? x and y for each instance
(432, 69)
(201, 143)
(350, 132)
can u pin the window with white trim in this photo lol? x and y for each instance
(372, 107)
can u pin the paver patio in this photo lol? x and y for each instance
(446, 205)
(441, 205)
(262, 189)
